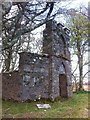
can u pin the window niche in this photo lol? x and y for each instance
(62, 68)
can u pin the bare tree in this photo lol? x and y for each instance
(18, 19)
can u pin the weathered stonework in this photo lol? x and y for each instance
(43, 76)
(11, 86)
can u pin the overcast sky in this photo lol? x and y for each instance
(77, 3)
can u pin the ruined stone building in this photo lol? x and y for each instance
(46, 75)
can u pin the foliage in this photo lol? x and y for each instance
(79, 42)
(79, 29)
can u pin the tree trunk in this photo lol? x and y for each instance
(80, 62)
(80, 73)
(8, 59)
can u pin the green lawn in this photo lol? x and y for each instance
(75, 107)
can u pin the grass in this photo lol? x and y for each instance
(75, 107)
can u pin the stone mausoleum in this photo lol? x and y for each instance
(46, 75)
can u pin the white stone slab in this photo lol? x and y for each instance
(43, 106)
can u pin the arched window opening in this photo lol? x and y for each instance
(62, 69)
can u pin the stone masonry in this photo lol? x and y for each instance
(46, 75)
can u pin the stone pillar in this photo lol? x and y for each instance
(48, 37)
(47, 49)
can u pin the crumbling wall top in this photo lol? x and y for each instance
(53, 25)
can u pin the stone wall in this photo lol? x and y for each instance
(56, 39)
(69, 78)
(60, 66)
(55, 55)
(55, 44)
(11, 86)
(35, 76)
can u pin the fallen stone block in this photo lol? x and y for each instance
(43, 106)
